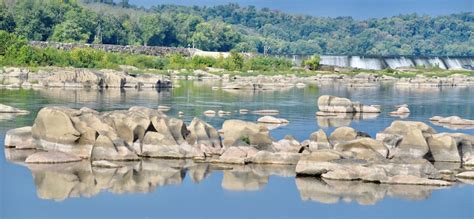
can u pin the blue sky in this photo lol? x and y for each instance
(359, 9)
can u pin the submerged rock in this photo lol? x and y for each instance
(272, 120)
(9, 109)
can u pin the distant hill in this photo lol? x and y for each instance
(232, 27)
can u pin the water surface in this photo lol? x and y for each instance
(177, 188)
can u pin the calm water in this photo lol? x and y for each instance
(171, 188)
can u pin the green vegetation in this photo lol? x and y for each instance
(15, 51)
(313, 62)
(231, 27)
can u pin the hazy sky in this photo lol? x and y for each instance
(359, 9)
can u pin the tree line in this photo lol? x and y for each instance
(15, 51)
(232, 27)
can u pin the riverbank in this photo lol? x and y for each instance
(131, 77)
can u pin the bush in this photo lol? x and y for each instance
(313, 62)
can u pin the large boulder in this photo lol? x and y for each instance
(413, 145)
(444, 148)
(203, 135)
(55, 130)
(406, 138)
(238, 132)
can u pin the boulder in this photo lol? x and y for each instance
(272, 120)
(237, 155)
(466, 175)
(55, 130)
(444, 148)
(9, 109)
(364, 148)
(20, 138)
(342, 134)
(265, 157)
(413, 145)
(159, 145)
(111, 149)
(401, 111)
(319, 140)
(201, 133)
(52, 157)
(288, 144)
(236, 132)
(333, 104)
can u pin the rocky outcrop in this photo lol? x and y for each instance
(334, 104)
(54, 77)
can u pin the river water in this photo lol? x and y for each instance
(178, 188)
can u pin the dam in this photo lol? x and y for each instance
(394, 62)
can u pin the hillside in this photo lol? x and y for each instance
(231, 27)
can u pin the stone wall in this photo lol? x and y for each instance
(144, 50)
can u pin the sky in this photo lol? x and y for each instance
(358, 9)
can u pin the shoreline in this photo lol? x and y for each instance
(131, 77)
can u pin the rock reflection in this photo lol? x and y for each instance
(334, 191)
(112, 96)
(343, 119)
(81, 179)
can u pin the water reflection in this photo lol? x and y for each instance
(343, 119)
(334, 191)
(81, 179)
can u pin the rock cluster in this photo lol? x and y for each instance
(423, 81)
(401, 154)
(330, 104)
(79, 78)
(125, 135)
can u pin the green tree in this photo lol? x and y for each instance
(313, 62)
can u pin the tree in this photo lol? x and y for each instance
(215, 36)
(313, 62)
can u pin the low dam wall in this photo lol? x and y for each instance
(394, 62)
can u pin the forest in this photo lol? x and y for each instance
(234, 28)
